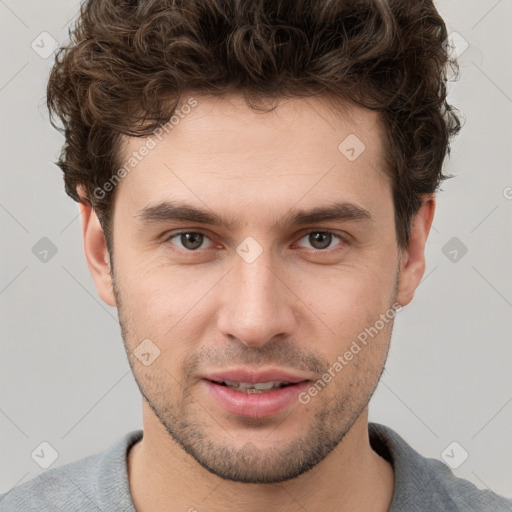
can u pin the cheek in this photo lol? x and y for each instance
(165, 305)
(348, 296)
(150, 285)
(349, 302)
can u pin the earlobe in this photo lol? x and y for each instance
(96, 253)
(412, 266)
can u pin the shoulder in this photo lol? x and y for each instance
(426, 484)
(67, 487)
(89, 484)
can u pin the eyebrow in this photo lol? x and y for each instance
(177, 211)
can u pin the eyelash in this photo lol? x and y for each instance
(325, 231)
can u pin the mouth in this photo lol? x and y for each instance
(255, 395)
(257, 387)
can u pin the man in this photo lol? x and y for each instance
(257, 184)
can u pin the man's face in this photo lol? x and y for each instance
(260, 294)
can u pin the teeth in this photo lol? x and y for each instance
(265, 385)
(257, 387)
(231, 383)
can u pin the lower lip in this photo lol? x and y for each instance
(255, 405)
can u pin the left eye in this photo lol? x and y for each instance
(193, 240)
(321, 240)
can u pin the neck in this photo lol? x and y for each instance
(352, 477)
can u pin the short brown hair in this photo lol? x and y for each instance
(129, 62)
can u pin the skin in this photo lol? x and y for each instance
(298, 306)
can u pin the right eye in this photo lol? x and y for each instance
(190, 240)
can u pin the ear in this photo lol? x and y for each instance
(412, 265)
(96, 253)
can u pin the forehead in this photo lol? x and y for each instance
(222, 153)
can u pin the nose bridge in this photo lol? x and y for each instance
(256, 306)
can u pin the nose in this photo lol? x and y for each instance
(258, 304)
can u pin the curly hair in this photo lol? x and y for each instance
(129, 62)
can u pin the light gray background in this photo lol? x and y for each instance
(64, 375)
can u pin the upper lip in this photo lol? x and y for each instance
(253, 376)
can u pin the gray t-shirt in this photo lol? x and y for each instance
(100, 482)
